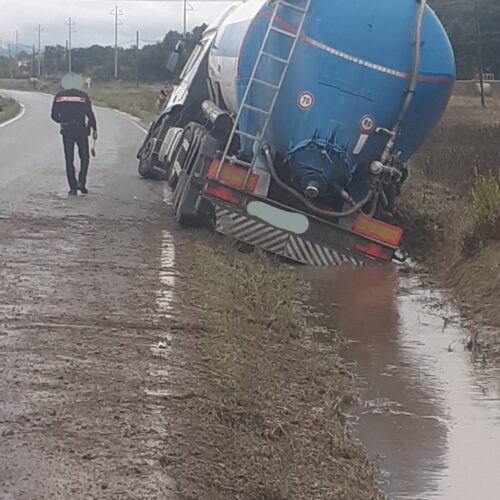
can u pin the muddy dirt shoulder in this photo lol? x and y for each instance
(264, 416)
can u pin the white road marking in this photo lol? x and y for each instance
(17, 117)
(165, 295)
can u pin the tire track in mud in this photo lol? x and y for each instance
(79, 313)
(80, 309)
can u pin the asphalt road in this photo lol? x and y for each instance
(85, 301)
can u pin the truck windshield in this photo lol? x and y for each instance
(193, 60)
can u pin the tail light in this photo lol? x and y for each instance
(223, 193)
(378, 230)
(233, 175)
(374, 250)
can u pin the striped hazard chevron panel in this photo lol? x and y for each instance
(251, 231)
(260, 234)
(306, 252)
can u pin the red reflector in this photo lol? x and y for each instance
(374, 250)
(378, 230)
(233, 175)
(212, 170)
(223, 193)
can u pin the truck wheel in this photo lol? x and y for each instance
(149, 168)
(179, 189)
(185, 201)
(172, 177)
(187, 190)
(180, 155)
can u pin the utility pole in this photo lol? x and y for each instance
(70, 25)
(185, 17)
(39, 50)
(480, 62)
(117, 13)
(137, 60)
(17, 52)
(10, 64)
(33, 68)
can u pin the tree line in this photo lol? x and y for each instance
(147, 63)
(460, 23)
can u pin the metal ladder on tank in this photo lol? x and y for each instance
(274, 87)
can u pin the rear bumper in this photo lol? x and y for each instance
(322, 244)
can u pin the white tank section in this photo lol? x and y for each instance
(223, 66)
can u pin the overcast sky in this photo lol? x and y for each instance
(94, 22)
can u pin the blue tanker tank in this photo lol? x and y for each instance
(344, 87)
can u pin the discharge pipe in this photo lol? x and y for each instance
(410, 93)
(324, 213)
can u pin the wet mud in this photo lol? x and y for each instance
(78, 414)
(430, 410)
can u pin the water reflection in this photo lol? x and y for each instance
(431, 416)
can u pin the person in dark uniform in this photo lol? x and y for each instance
(72, 109)
(165, 94)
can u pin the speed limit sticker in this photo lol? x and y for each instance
(367, 124)
(305, 101)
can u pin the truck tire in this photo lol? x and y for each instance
(172, 177)
(150, 166)
(185, 208)
(180, 155)
(187, 191)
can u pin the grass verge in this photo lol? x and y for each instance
(124, 96)
(450, 206)
(9, 108)
(272, 417)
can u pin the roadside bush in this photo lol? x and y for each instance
(486, 200)
(485, 206)
(8, 108)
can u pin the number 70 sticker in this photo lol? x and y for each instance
(305, 101)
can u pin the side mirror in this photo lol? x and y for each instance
(172, 62)
(180, 46)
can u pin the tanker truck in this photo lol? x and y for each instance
(292, 123)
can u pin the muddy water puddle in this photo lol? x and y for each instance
(430, 412)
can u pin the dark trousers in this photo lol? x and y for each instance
(82, 141)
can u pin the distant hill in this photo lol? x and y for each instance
(4, 48)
